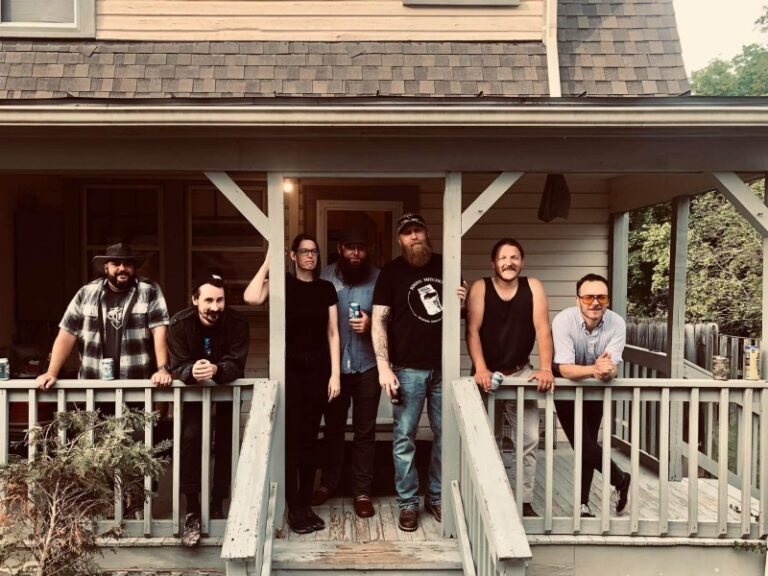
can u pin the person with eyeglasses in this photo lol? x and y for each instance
(312, 370)
(589, 341)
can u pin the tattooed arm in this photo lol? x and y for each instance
(387, 378)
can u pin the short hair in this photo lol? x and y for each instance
(295, 247)
(591, 278)
(506, 242)
(212, 276)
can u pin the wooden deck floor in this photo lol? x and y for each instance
(343, 525)
(562, 505)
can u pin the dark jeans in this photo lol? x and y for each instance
(191, 448)
(306, 396)
(363, 391)
(591, 451)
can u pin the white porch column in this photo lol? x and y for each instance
(619, 263)
(451, 368)
(276, 211)
(678, 258)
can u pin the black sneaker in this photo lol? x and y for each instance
(528, 510)
(622, 494)
(190, 537)
(299, 521)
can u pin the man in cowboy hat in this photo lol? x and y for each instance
(119, 316)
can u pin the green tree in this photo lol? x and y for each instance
(50, 506)
(744, 75)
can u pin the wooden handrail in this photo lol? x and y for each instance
(248, 511)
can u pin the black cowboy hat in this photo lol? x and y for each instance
(119, 251)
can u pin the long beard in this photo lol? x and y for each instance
(418, 255)
(354, 273)
(120, 285)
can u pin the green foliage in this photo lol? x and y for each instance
(745, 75)
(724, 268)
(51, 506)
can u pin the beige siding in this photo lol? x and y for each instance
(314, 20)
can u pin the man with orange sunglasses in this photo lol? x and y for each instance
(589, 341)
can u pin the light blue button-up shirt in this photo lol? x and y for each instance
(574, 344)
(356, 349)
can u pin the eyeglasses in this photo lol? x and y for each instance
(307, 251)
(589, 299)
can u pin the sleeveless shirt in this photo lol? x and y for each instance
(507, 334)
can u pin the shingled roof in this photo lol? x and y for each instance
(607, 48)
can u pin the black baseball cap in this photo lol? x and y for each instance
(410, 218)
(354, 236)
(212, 276)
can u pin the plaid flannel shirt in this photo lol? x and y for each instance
(137, 354)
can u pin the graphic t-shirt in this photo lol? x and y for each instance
(306, 316)
(114, 325)
(415, 298)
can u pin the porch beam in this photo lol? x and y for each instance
(240, 200)
(276, 236)
(451, 364)
(764, 310)
(742, 198)
(675, 349)
(619, 263)
(487, 199)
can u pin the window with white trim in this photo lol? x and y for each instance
(47, 18)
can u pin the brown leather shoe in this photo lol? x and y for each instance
(364, 507)
(409, 520)
(321, 496)
(435, 509)
(528, 510)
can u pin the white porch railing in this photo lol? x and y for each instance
(491, 534)
(738, 509)
(21, 396)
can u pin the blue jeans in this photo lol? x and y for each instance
(417, 386)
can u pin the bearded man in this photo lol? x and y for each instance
(208, 342)
(119, 316)
(354, 278)
(407, 330)
(506, 314)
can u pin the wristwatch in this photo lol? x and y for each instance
(166, 367)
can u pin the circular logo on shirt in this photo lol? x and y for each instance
(424, 299)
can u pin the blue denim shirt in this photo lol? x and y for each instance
(356, 349)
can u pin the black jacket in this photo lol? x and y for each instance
(229, 350)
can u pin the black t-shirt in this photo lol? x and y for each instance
(114, 326)
(414, 296)
(306, 316)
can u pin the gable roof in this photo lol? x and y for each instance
(607, 48)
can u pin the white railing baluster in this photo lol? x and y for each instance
(90, 406)
(235, 435)
(5, 426)
(664, 462)
(643, 416)
(61, 407)
(205, 472)
(578, 455)
(763, 529)
(605, 516)
(518, 431)
(746, 475)
(722, 461)
(693, 463)
(32, 422)
(148, 479)
(635, 464)
(176, 464)
(549, 427)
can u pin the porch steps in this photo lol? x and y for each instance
(423, 558)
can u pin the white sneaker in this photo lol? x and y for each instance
(586, 512)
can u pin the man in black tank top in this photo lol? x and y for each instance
(506, 314)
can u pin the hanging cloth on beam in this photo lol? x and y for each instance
(556, 199)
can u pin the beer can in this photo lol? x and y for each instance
(5, 369)
(496, 379)
(721, 368)
(397, 399)
(354, 310)
(107, 369)
(751, 362)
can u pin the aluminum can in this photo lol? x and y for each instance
(207, 347)
(751, 362)
(107, 369)
(5, 369)
(354, 310)
(397, 399)
(721, 367)
(496, 379)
